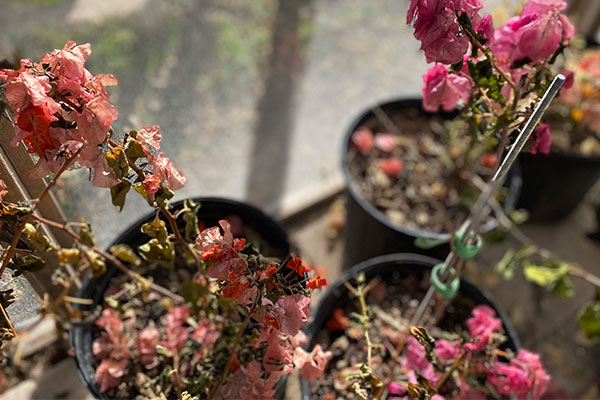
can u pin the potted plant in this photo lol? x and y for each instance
(409, 336)
(409, 174)
(557, 179)
(183, 308)
(364, 320)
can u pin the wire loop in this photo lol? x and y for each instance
(448, 291)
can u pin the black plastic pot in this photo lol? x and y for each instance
(211, 210)
(554, 184)
(369, 232)
(387, 266)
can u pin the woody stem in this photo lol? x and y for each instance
(9, 254)
(234, 346)
(112, 259)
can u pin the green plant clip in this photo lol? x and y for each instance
(447, 291)
(467, 250)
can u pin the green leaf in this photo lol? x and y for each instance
(141, 189)
(428, 243)
(124, 253)
(157, 229)
(190, 216)
(192, 291)
(563, 288)
(164, 195)
(85, 232)
(154, 251)
(26, 262)
(589, 319)
(507, 265)
(116, 159)
(38, 239)
(518, 216)
(512, 260)
(119, 192)
(133, 150)
(97, 264)
(544, 275)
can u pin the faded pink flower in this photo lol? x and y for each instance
(247, 383)
(151, 185)
(312, 364)
(3, 190)
(102, 347)
(540, 380)
(221, 250)
(278, 357)
(483, 324)
(415, 355)
(445, 89)
(392, 167)
(114, 344)
(396, 389)
(591, 64)
(146, 342)
(76, 97)
(110, 373)
(177, 333)
(206, 334)
(255, 387)
(149, 138)
(542, 141)
(386, 142)
(486, 27)
(437, 27)
(536, 33)
(447, 350)
(362, 139)
(466, 392)
(299, 340)
(166, 171)
(291, 313)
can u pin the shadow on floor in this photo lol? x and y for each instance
(272, 136)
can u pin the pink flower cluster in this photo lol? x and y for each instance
(60, 107)
(534, 36)
(114, 351)
(483, 325)
(163, 170)
(445, 89)
(277, 323)
(436, 26)
(3, 190)
(536, 33)
(542, 141)
(280, 321)
(112, 348)
(522, 376)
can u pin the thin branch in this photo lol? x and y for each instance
(234, 346)
(112, 259)
(5, 316)
(9, 254)
(170, 218)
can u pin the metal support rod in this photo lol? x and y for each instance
(480, 208)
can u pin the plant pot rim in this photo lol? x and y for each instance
(404, 258)
(77, 332)
(417, 260)
(566, 156)
(514, 188)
